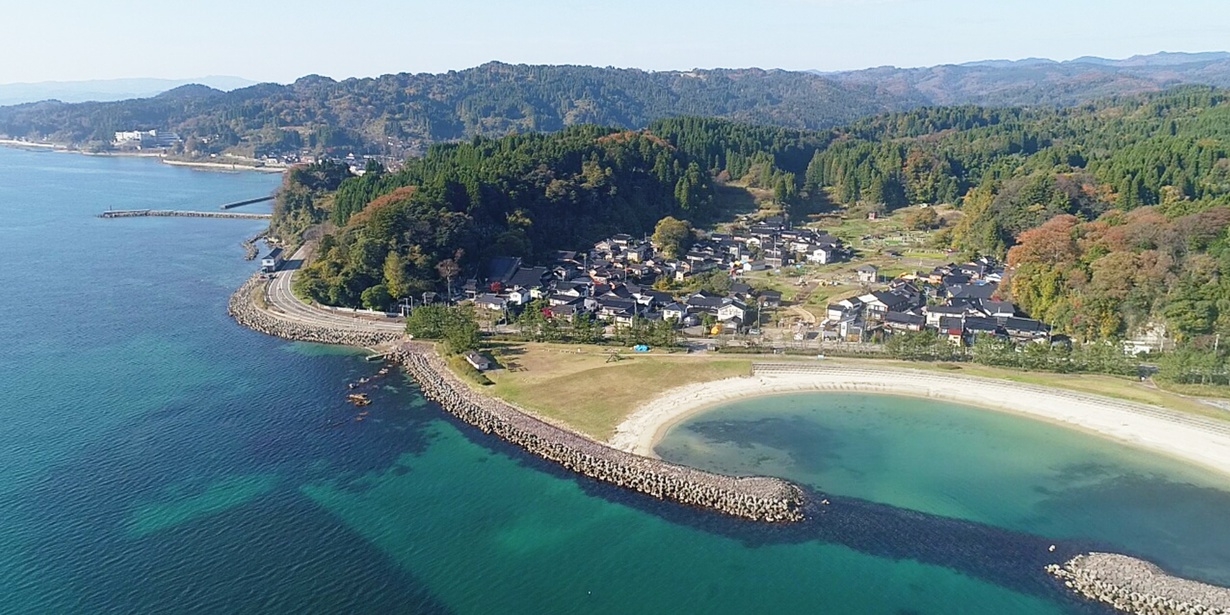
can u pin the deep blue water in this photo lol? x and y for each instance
(160, 459)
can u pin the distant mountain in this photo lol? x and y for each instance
(106, 89)
(396, 114)
(1038, 81)
(404, 113)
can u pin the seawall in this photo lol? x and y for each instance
(176, 213)
(1136, 586)
(757, 498)
(246, 313)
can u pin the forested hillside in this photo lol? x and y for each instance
(1113, 214)
(1045, 82)
(395, 114)
(449, 211)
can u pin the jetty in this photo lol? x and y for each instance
(1135, 586)
(169, 213)
(247, 202)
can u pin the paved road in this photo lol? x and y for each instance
(286, 305)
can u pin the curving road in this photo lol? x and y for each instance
(284, 304)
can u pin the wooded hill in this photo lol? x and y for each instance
(395, 114)
(404, 113)
(449, 211)
(1112, 215)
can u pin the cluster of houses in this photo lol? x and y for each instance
(613, 280)
(957, 301)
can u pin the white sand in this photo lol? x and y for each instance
(1195, 439)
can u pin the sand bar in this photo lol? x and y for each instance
(1199, 440)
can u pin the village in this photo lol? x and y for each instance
(715, 293)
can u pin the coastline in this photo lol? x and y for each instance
(204, 166)
(1196, 440)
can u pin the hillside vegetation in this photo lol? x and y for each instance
(1113, 215)
(394, 114)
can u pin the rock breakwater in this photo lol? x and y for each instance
(1136, 586)
(243, 309)
(756, 498)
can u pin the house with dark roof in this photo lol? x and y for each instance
(477, 361)
(502, 268)
(491, 302)
(676, 311)
(902, 321)
(769, 298)
(936, 313)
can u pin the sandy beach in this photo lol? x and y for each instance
(1194, 439)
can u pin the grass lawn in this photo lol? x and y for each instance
(590, 395)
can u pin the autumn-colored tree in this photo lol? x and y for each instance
(672, 237)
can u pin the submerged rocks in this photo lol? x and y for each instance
(1136, 586)
(757, 498)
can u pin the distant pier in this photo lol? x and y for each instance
(167, 213)
(247, 202)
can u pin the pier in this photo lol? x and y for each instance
(247, 202)
(155, 213)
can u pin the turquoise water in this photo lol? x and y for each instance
(160, 459)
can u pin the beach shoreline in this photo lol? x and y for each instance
(1200, 441)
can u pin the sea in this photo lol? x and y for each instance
(158, 458)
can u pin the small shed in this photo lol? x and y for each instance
(478, 361)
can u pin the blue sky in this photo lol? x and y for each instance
(278, 40)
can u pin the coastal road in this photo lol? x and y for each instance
(284, 304)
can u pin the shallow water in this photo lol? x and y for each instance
(158, 458)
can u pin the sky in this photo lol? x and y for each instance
(279, 40)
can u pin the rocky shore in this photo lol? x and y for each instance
(243, 309)
(1135, 586)
(757, 498)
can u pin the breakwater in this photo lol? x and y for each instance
(165, 213)
(250, 250)
(1136, 586)
(243, 309)
(756, 498)
(247, 202)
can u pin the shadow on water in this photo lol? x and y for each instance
(1009, 559)
(278, 554)
(270, 551)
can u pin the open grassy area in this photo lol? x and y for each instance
(578, 387)
(587, 393)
